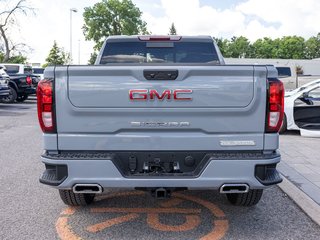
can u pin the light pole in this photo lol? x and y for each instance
(79, 51)
(71, 11)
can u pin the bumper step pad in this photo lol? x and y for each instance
(54, 175)
(267, 174)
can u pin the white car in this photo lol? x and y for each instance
(3, 72)
(302, 110)
(38, 71)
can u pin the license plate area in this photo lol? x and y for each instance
(141, 164)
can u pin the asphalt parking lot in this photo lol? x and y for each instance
(30, 210)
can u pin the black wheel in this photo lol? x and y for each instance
(76, 199)
(12, 96)
(22, 98)
(283, 128)
(248, 199)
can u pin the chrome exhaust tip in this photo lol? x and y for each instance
(234, 188)
(87, 188)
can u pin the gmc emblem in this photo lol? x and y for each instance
(152, 94)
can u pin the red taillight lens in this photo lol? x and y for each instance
(29, 80)
(159, 38)
(275, 106)
(45, 106)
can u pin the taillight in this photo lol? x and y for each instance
(275, 106)
(160, 38)
(46, 106)
(29, 80)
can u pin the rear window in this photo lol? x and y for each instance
(27, 70)
(12, 69)
(38, 70)
(284, 71)
(159, 52)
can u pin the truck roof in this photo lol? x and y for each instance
(133, 38)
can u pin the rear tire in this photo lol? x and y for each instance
(76, 199)
(12, 96)
(248, 199)
(283, 128)
(22, 98)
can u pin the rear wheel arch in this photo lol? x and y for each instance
(12, 97)
(13, 85)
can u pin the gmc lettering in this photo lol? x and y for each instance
(152, 94)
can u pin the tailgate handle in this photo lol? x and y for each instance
(160, 75)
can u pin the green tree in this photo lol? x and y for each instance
(313, 47)
(239, 47)
(112, 17)
(93, 58)
(57, 56)
(172, 30)
(276, 51)
(223, 45)
(13, 59)
(291, 47)
(288, 47)
(17, 59)
(263, 48)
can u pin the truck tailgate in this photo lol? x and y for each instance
(227, 110)
(213, 87)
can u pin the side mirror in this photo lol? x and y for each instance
(305, 95)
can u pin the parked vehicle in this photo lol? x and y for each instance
(292, 72)
(21, 85)
(4, 79)
(160, 114)
(3, 72)
(302, 110)
(291, 79)
(13, 68)
(38, 71)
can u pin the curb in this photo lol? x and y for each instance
(310, 207)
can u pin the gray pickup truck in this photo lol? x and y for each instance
(160, 114)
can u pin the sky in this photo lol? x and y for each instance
(219, 18)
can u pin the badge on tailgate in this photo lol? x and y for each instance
(237, 143)
(153, 94)
(160, 124)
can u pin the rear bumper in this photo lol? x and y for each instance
(213, 176)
